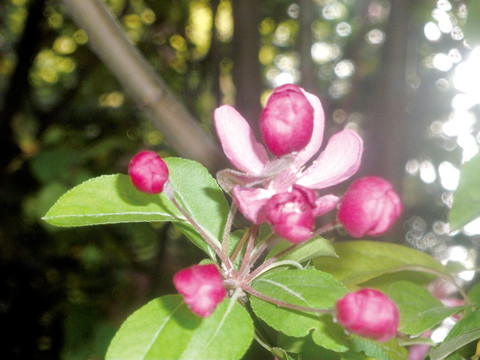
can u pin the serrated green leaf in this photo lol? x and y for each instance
(109, 199)
(311, 249)
(466, 200)
(330, 335)
(309, 288)
(166, 329)
(419, 309)
(199, 195)
(359, 261)
(113, 199)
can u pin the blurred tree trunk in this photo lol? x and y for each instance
(309, 80)
(148, 90)
(385, 154)
(247, 75)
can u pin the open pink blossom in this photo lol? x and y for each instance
(260, 178)
(291, 214)
(369, 313)
(202, 288)
(369, 207)
(148, 172)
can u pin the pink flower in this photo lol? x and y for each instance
(286, 122)
(259, 177)
(369, 207)
(201, 287)
(291, 214)
(369, 313)
(148, 172)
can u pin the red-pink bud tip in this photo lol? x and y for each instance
(286, 122)
(148, 172)
(369, 207)
(369, 313)
(291, 214)
(202, 288)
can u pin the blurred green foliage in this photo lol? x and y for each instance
(64, 119)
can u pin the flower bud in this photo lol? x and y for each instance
(291, 214)
(201, 287)
(148, 172)
(286, 122)
(369, 313)
(369, 207)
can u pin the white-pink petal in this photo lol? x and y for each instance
(238, 141)
(324, 204)
(251, 201)
(317, 135)
(339, 161)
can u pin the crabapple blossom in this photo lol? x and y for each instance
(259, 178)
(369, 313)
(291, 214)
(148, 172)
(286, 122)
(370, 206)
(202, 288)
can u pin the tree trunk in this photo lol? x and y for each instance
(247, 76)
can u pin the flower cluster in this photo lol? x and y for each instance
(281, 190)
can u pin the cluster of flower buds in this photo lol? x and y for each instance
(282, 190)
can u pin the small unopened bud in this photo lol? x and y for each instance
(286, 122)
(369, 207)
(202, 288)
(291, 214)
(148, 172)
(368, 313)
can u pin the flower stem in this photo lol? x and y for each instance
(228, 227)
(248, 251)
(270, 261)
(240, 245)
(169, 192)
(326, 228)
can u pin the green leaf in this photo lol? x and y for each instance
(466, 201)
(166, 329)
(110, 199)
(419, 309)
(330, 335)
(450, 346)
(308, 288)
(113, 199)
(472, 26)
(199, 195)
(311, 249)
(389, 350)
(359, 261)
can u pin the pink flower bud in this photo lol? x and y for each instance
(369, 207)
(291, 214)
(369, 313)
(286, 122)
(201, 287)
(148, 172)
